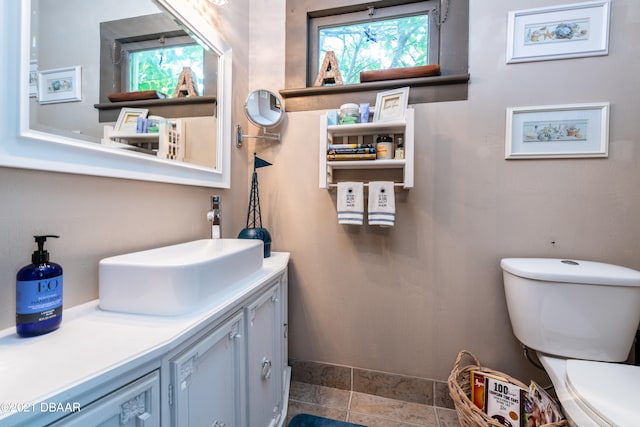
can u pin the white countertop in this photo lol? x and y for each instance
(95, 345)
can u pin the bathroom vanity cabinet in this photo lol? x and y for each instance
(367, 132)
(264, 370)
(206, 386)
(136, 404)
(225, 366)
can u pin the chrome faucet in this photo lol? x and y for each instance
(214, 217)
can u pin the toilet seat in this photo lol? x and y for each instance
(595, 394)
(610, 390)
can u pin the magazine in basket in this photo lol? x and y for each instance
(500, 399)
(511, 405)
(541, 408)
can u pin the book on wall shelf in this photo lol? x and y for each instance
(363, 156)
(351, 152)
(343, 146)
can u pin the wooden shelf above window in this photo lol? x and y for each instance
(423, 89)
(197, 106)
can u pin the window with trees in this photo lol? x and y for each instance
(374, 35)
(374, 39)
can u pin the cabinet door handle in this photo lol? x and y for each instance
(266, 369)
(234, 333)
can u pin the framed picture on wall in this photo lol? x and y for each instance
(558, 32)
(558, 131)
(391, 105)
(60, 85)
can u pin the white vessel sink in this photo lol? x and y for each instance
(177, 279)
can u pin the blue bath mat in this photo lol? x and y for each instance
(306, 420)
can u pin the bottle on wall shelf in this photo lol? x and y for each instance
(384, 147)
(39, 294)
(349, 114)
(399, 154)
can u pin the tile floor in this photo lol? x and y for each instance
(370, 398)
(366, 409)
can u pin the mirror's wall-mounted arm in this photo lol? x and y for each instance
(264, 109)
(265, 135)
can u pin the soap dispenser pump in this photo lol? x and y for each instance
(39, 294)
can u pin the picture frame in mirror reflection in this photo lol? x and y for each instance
(558, 131)
(128, 119)
(60, 85)
(391, 105)
(33, 78)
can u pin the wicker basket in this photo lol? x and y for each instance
(469, 415)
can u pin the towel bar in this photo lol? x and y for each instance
(366, 184)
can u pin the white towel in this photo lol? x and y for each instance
(350, 203)
(382, 203)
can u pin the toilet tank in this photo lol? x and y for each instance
(574, 309)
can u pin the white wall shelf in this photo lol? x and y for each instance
(167, 143)
(336, 134)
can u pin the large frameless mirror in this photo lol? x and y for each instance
(71, 119)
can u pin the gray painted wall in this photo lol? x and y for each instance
(407, 299)
(402, 300)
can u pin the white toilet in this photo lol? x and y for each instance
(580, 316)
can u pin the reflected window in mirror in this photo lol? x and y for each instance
(155, 49)
(156, 64)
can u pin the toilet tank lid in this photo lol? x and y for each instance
(571, 271)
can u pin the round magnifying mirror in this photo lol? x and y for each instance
(263, 108)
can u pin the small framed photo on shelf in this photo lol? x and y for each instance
(558, 32)
(60, 85)
(391, 105)
(558, 131)
(128, 119)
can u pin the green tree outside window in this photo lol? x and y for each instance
(159, 69)
(376, 45)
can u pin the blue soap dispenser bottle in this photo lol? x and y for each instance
(39, 294)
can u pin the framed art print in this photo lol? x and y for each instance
(558, 32)
(558, 131)
(391, 105)
(128, 120)
(60, 85)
